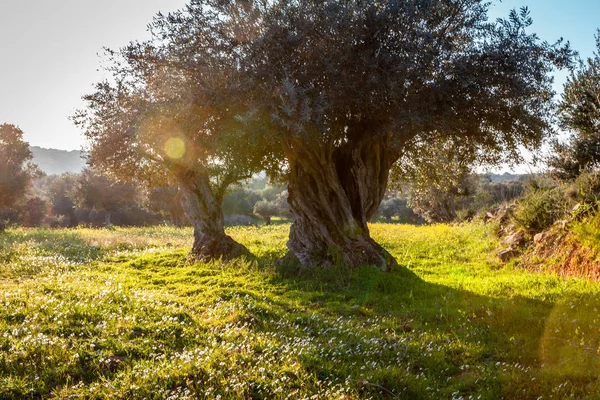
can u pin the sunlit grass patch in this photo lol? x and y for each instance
(125, 313)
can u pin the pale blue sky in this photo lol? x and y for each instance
(48, 52)
(48, 58)
(574, 20)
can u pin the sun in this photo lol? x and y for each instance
(175, 148)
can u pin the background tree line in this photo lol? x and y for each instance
(30, 198)
(92, 199)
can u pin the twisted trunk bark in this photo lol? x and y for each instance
(332, 196)
(364, 169)
(203, 210)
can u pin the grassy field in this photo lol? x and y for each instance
(125, 314)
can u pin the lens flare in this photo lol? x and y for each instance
(570, 345)
(175, 148)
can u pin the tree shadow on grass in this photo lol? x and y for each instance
(383, 335)
(459, 342)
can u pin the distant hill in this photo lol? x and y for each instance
(507, 176)
(55, 162)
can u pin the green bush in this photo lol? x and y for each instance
(543, 204)
(588, 231)
(587, 187)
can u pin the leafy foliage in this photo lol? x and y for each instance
(415, 70)
(542, 204)
(396, 206)
(240, 201)
(278, 207)
(173, 108)
(436, 180)
(16, 170)
(580, 113)
(164, 200)
(61, 193)
(100, 193)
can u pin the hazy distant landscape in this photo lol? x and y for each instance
(56, 162)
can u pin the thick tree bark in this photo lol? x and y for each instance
(203, 210)
(2, 222)
(364, 168)
(332, 196)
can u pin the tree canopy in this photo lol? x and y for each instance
(356, 86)
(579, 112)
(328, 94)
(171, 114)
(16, 169)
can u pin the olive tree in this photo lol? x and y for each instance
(278, 207)
(357, 86)
(579, 112)
(391, 207)
(173, 112)
(16, 169)
(437, 179)
(60, 193)
(339, 91)
(99, 192)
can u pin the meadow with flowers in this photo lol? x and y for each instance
(125, 313)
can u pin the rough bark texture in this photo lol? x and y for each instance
(2, 222)
(203, 210)
(363, 169)
(332, 196)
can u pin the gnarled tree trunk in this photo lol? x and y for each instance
(203, 210)
(332, 196)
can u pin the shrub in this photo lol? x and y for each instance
(588, 231)
(266, 210)
(586, 187)
(543, 204)
(239, 220)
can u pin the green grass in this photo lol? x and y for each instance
(587, 232)
(124, 313)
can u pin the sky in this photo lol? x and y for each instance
(49, 59)
(49, 52)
